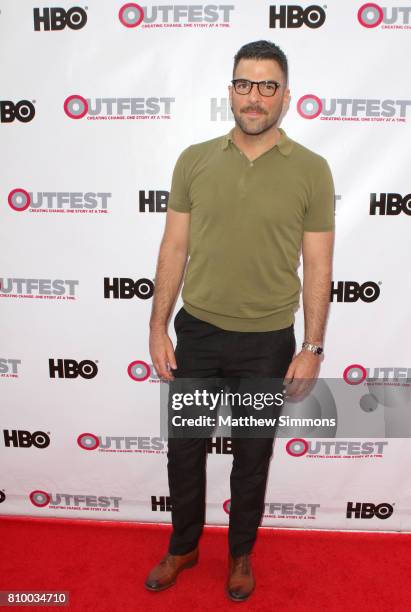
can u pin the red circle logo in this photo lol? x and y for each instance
(355, 374)
(370, 15)
(88, 441)
(309, 106)
(297, 447)
(39, 498)
(131, 15)
(19, 199)
(139, 370)
(75, 107)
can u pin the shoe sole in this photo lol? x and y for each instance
(237, 599)
(157, 590)
(162, 588)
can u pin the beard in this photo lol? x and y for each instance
(253, 126)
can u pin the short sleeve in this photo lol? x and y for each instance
(179, 199)
(320, 214)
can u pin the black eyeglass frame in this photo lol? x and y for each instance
(258, 83)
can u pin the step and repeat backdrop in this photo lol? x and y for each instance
(97, 101)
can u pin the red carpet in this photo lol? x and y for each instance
(104, 565)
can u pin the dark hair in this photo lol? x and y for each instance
(260, 50)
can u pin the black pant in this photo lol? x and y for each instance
(206, 351)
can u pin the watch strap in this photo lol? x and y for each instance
(317, 349)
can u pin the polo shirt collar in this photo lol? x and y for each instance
(284, 145)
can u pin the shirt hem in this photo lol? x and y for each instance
(271, 322)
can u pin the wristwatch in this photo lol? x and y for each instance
(314, 348)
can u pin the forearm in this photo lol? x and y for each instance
(169, 274)
(316, 301)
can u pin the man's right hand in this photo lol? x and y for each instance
(162, 353)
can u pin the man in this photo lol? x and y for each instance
(242, 206)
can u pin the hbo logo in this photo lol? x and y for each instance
(127, 288)
(390, 204)
(22, 111)
(294, 16)
(350, 291)
(57, 18)
(24, 439)
(69, 368)
(368, 510)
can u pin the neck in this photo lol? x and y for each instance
(254, 145)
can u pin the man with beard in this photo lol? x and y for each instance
(242, 206)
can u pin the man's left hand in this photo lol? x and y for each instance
(301, 373)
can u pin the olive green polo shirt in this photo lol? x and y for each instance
(246, 226)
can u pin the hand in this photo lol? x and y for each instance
(301, 373)
(162, 353)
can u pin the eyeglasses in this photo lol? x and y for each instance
(244, 86)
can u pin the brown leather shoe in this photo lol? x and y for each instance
(164, 574)
(241, 580)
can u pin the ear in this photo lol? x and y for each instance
(230, 94)
(286, 100)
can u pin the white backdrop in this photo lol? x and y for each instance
(97, 101)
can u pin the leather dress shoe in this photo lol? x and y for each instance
(164, 574)
(241, 582)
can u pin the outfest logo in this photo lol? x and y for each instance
(38, 288)
(140, 371)
(122, 444)
(387, 394)
(9, 368)
(74, 501)
(75, 202)
(132, 15)
(371, 15)
(284, 510)
(117, 109)
(311, 106)
(335, 449)
(356, 374)
(287, 510)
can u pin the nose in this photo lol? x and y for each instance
(254, 94)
